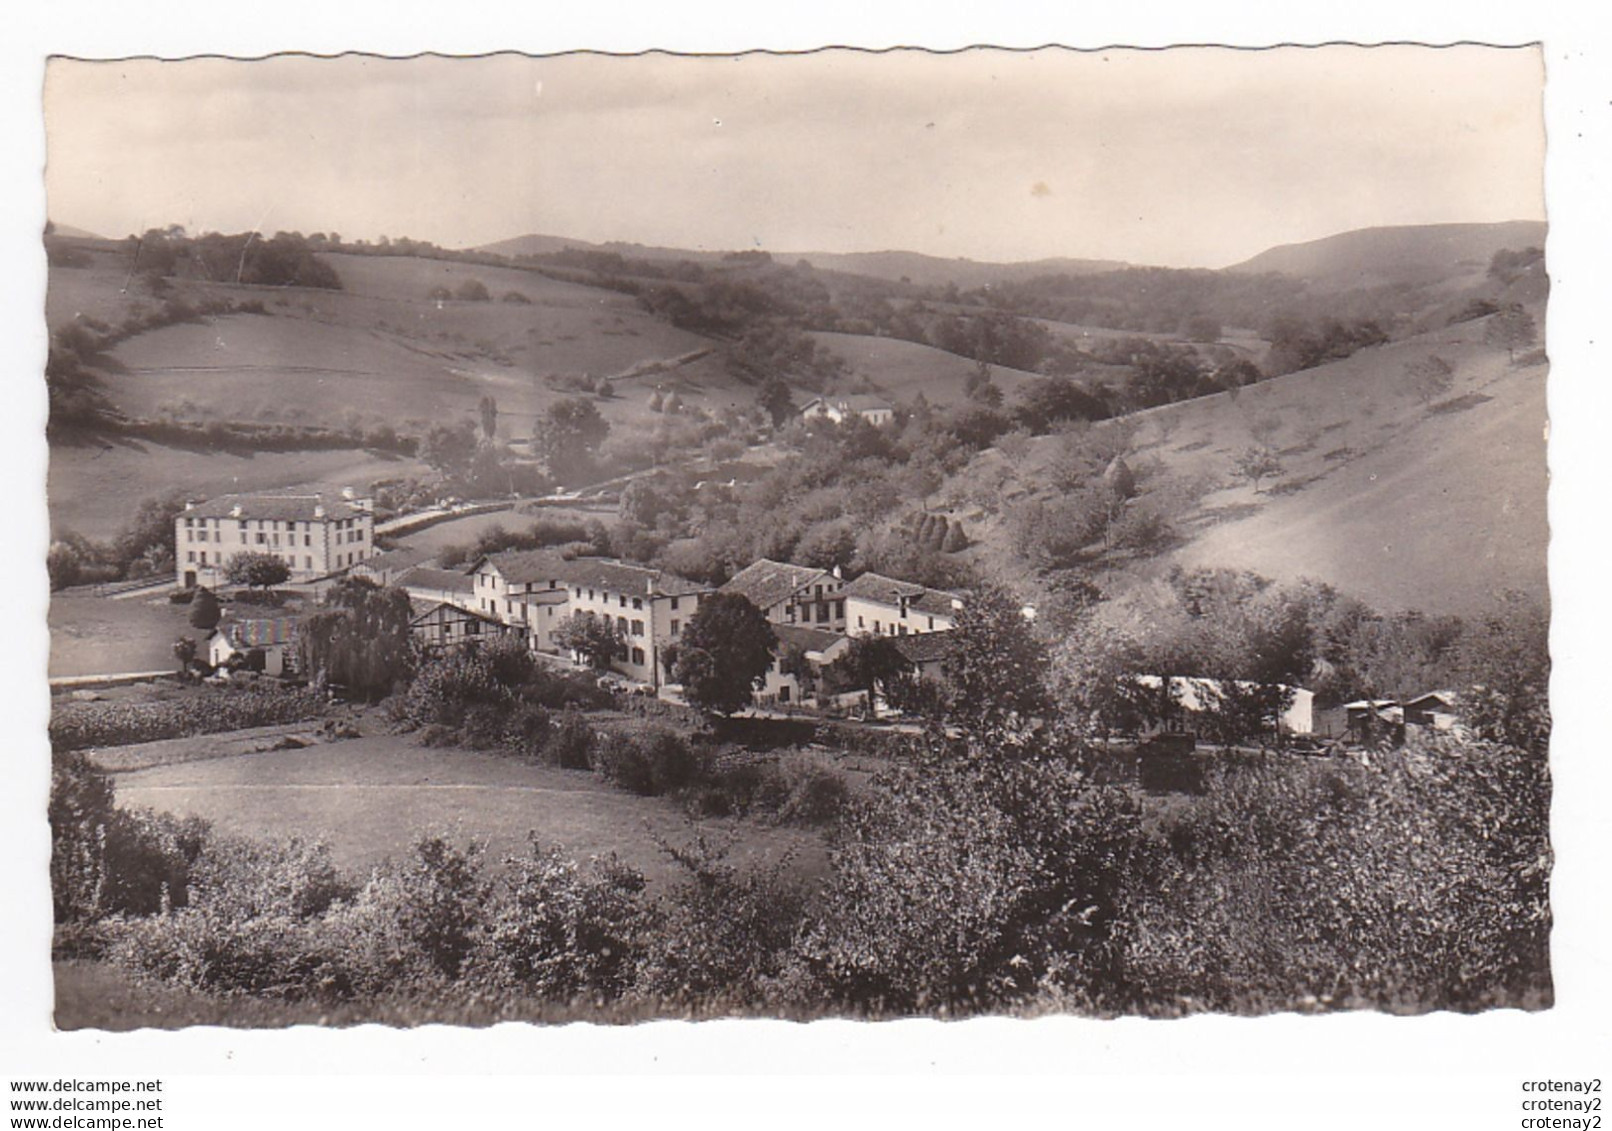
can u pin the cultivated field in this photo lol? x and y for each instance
(901, 370)
(370, 798)
(94, 488)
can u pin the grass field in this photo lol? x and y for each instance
(1399, 502)
(93, 488)
(370, 798)
(902, 369)
(93, 635)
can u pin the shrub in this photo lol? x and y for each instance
(570, 742)
(557, 932)
(76, 726)
(651, 763)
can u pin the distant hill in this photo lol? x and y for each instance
(1411, 254)
(74, 233)
(893, 266)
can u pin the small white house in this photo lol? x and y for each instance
(847, 406)
(274, 638)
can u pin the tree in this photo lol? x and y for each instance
(1430, 377)
(472, 290)
(997, 668)
(777, 401)
(1511, 329)
(449, 448)
(727, 648)
(184, 652)
(568, 434)
(596, 639)
(1257, 463)
(360, 638)
(204, 610)
(489, 417)
(870, 663)
(260, 571)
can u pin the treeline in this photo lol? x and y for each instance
(284, 260)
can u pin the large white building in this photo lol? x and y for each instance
(316, 532)
(876, 605)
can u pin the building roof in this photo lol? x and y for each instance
(523, 567)
(285, 506)
(443, 580)
(889, 591)
(619, 577)
(767, 583)
(806, 639)
(851, 402)
(265, 632)
(393, 560)
(1446, 699)
(925, 647)
(437, 606)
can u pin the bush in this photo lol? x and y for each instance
(77, 726)
(558, 933)
(570, 743)
(651, 763)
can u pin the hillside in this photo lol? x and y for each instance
(1411, 254)
(1402, 503)
(901, 370)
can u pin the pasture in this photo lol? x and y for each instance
(92, 635)
(901, 369)
(371, 798)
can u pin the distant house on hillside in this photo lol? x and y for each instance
(791, 594)
(846, 406)
(1436, 709)
(314, 531)
(268, 645)
(883, 606)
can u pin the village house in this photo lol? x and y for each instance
(815, 648)
(444, 626)
(791, 594)
(848, 406)
(427, 585)
(267, 644)
(523, 588)
(386, 568)
(314, 531)
(882, 606)
(649, 608)
(926, 653)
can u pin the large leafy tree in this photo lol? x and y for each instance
(724, 654)
(360, 638)
(594, 638)
(568, 434)
(260, 571)
(870, 664)
(997, 668)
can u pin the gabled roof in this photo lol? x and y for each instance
(767, 583)
(889, 591)
(264, 632)
(442, 580)
(851, 402)
(524, 567)
(469, 614)
(619, 577)
(925, 647)
(303, 506)
(806, 639)
(1442, 698)
(401, 558)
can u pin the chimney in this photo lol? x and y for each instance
(349, 494)
(838, 575)
(235, 511)
(319, 511)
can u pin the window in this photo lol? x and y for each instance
(637, 628)
(674, 604)
(190, 555)
(307, 539)
(624, 600)
(261, 538)
(621, 625)
(877, 631)
(204, 557)
(590, 594)
(859, 621)
(818, 592)
(822, 613)
(637, 602)
(201, 535)
(307, 561)
(931, 624)
(903, 630)
(677, 626)
(638, 656)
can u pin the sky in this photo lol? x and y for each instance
(1191, 157)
